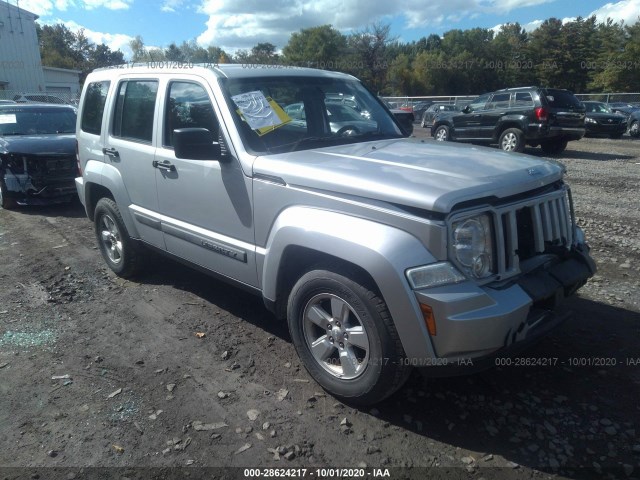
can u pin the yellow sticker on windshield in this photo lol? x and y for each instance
(263, 114)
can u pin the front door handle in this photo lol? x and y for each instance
(166, 165)
(111, 152)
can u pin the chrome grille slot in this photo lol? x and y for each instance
(526, 229)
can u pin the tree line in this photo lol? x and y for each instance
(583, 55)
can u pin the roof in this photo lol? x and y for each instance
(35, 106)
(225, 70)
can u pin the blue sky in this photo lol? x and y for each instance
(240, 24)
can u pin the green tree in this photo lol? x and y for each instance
(367, 56)
(322, 46)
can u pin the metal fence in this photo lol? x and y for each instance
(64, 98)
(633, 98)
(411, 101)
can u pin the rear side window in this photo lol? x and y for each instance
(188, 106)
(93, 108)
(523, 99)
(135, 105)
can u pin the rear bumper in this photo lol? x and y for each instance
(475, 325)
(539, 132)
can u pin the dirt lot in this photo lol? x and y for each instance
(96, 371)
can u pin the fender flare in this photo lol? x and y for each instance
(100, 173)
(381, 250)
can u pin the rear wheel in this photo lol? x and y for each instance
(442, 134)
(634, 129)
(5, 202)
(117, 248)
(345, 337)
(512, 140)
(554, 147)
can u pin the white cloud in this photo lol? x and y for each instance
(627, 11)
(108, 4)
(234, 24)
(171, 6)
(44, 8)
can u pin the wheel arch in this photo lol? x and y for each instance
(102, 180)
(506, 124)
(303, 237)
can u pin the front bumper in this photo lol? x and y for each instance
(476, 324)
(26, 190)
(605, 129)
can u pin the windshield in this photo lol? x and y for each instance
(36, 121)
(289, 113)
(597, 107)
(561, 99)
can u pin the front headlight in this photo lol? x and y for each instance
(473, 245)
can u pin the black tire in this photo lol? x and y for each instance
(380, 370)
(634, 129)
(616, 136)
(512, 140)
(120, 253)
(6, 202)
(554, 147)
(442, 134)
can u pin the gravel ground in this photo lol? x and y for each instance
(97, 371)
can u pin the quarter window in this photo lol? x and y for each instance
(523, 99)
(188, 106)
(93, 108)
(134, 110)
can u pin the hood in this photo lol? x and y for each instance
(412, 173)
(41, 145)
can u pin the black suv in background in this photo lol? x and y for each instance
(516, 117)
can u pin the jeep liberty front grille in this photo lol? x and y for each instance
(534, 226)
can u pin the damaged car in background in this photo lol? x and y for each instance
(37, 154)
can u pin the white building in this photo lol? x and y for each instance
(21, 69)
(20, 65)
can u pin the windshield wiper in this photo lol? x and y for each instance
(302, 141)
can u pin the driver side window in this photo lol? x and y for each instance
(479, 103)
(188, 106)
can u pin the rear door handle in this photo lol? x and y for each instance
(111, 152)
(165, 165)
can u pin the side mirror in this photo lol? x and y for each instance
(466, 109)
(195, 144)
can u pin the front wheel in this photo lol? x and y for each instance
(634, 129)
(117, 248)
(442, 134)
(512, 140)
(345, 337)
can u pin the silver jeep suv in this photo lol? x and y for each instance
(382, 252)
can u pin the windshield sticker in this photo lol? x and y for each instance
(262, 113)
(7, 118)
